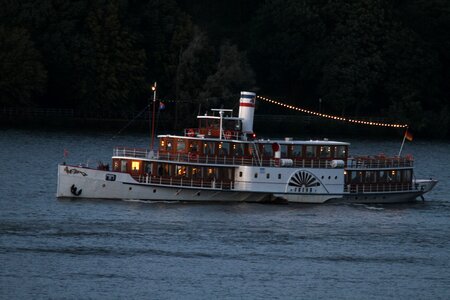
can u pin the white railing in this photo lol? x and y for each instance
(220, 160)
(131, 152)
(377, 188)
(376, 163)
(185, 182)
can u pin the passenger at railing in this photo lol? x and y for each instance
(160, 170)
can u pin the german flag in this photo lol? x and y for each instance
(408, 135)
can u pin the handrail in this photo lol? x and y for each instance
(376, 188)
(377, 162)
(352, 163)
(185, 182)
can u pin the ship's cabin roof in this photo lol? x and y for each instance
(286, 141)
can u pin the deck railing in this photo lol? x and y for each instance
(378, 188)
(186, 182)
(132, 152)
(379, 162)
(222, 160)
(352, 163)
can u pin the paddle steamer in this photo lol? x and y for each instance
(222, 160)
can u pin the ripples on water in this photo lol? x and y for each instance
(111, 249)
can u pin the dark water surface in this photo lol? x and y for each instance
(115, 249)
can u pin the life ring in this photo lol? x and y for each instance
(192, 156)
(227, 134)
(191, 132)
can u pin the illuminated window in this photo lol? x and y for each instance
(135, 165)
(340, 152)
(325, 151)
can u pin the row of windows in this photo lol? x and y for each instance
(384, 176)
(256, 175)
(246, 149)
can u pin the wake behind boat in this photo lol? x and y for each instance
(221, 160)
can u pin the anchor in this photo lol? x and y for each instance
(74, 190)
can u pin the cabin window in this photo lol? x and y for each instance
(168, 170)
(382, 176)
(224, 149)
(240, 174)
(226, 173)
(159, 170)
(296, 150)
(325, 152)
(354, 178)
(208, 148)
(123, 166)
(283, 149)
(193, 147)
(250, 149)
(181, 170)
(210, 173)
(407, 176)
(279, 176)
(238, 149)
(267, 150)
(135, 166)
(181, 145)
(268, 175)
(256, 175)
(310, 151)
(395, 176)
(371, 177)
(340, 152)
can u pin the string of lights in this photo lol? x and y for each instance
(370, 123)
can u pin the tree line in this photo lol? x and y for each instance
(386, 58)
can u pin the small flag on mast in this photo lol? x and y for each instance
(408, 135)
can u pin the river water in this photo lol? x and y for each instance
(53, 248)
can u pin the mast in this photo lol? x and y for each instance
(153, 116)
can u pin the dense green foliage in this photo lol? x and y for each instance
(380, 58)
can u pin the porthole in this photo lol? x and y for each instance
(267, 175)
(256, 175)
(240, 174)
(279, 176)
(329, 177)
(129, 188)
(322, 177)
(154, 191)
(335, 177)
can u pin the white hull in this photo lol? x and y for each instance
(94, 186)
(79, 182)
